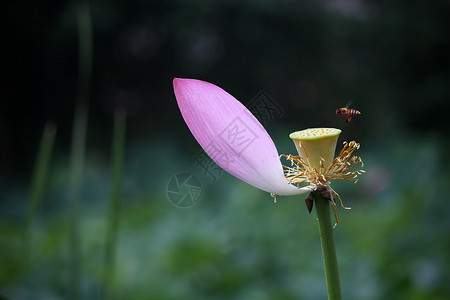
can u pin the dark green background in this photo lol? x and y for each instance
(391, 58)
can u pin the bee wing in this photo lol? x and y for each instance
(348, 104)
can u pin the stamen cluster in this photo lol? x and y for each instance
(342, 168)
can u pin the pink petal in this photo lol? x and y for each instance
(232, 136)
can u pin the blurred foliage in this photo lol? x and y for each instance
(237, 244)
(390, 58)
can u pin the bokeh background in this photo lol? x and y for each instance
(390, 58)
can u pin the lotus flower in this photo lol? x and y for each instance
(240, 145)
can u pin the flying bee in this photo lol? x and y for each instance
(348, 113)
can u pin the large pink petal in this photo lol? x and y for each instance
(231, 135)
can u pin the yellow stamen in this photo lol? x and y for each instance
(342, 168)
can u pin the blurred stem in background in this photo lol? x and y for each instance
(328, 248)
(117, 150)
(78, 147)
(38, 181)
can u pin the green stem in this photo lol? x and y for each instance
(118, 145)
(38, 182)
(328, 248)
(78, 147)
